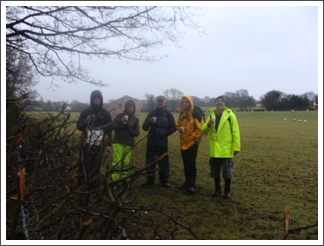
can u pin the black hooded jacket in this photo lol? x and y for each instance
(161, 128)
(125, 133)
(100, 117)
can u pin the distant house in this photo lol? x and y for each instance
(117, 106)
(259, 104)
(315, 105)
(68, 107)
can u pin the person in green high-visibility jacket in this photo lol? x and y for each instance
(224, 144)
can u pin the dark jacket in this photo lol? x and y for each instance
(161, 128)
(100, 117)
(125, 133)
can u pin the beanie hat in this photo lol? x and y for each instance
(160, 98)
(219, 97)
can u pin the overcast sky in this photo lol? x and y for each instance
(257, 48)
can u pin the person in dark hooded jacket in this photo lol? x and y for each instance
(160, 123)
(95, 123)
(126, 127)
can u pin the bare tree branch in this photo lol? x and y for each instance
(48, 33)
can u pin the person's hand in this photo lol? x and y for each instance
(211, 121)
(123, 119)
(108, 149)
(152, 119)
(235, 153)
(88, 117)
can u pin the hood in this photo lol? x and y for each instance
(126, 104)
(93, 94)
(191, 104)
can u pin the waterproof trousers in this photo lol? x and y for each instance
(163, 164)
(189, 160)
(121, 159)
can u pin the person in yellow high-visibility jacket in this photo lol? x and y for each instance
(224, 143)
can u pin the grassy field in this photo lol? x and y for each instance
(277, 167)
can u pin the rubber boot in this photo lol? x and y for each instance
(191, 184)
(227, 192)
(217, 187)
(184, 186)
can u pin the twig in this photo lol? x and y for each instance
(178, 223)
(299, 228)
(155, 231)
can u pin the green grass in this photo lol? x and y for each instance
(277, 167)
(74, 116)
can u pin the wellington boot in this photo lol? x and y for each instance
(217, 192)
(227, 192)
(184, 186)
(191, 184)
(217, 187)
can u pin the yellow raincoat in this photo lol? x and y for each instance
(227, 138)
(192, 133)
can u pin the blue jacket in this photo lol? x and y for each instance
(161, 128)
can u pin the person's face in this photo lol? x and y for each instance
(96, 101)
(220, 104)
(160, 103)
(185, 104)
(130, 109)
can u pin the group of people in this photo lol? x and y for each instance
(224, 139)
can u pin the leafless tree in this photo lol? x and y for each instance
(19, 76)
(206, 99)
(55, 39)
(173, 95)
(241, 96)
(48, 202)
(230, 99)
(310, 95)
(243, 99)
(150, 101)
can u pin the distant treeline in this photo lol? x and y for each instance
(272, 100)
(277, 100)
